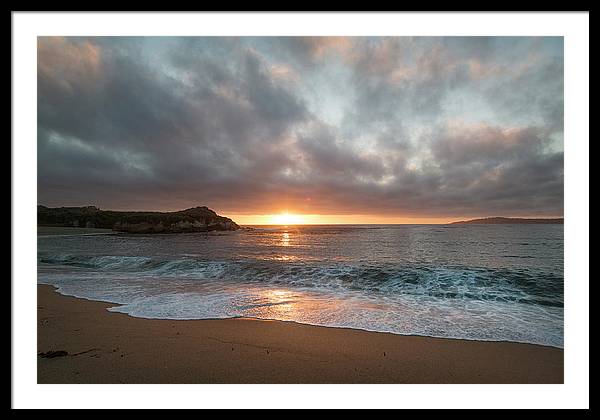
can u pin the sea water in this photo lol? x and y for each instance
(476, 282)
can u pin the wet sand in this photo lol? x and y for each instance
(106, 347)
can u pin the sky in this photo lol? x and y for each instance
(304, 129)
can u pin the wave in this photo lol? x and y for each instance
(177, 298)
(525, 285)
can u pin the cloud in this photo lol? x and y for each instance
(406, 126)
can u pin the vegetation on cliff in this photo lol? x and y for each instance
(197, 219)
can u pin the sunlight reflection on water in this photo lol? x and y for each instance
(285, 239)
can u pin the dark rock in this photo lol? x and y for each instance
(53, 353)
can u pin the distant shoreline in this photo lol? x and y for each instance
(511, 221)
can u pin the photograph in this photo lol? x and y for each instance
(298, 209)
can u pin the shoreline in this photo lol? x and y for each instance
(249, 318)
(112, 347)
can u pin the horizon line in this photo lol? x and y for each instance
(312, 219)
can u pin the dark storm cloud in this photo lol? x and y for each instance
(139, 130)
(407, 126)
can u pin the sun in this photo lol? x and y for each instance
(287, 219)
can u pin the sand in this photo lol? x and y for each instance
(106, 347)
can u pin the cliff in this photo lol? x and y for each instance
(197, 219)
(509, 220)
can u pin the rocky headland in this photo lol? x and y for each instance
(196, 219)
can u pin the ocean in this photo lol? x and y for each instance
(475, 282)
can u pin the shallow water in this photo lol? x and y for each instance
(481, 282)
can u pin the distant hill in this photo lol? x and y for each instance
(197, 219)
(509, 220)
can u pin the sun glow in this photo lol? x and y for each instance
(287, 219)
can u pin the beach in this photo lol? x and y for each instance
(424, 280)
(107, 347)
